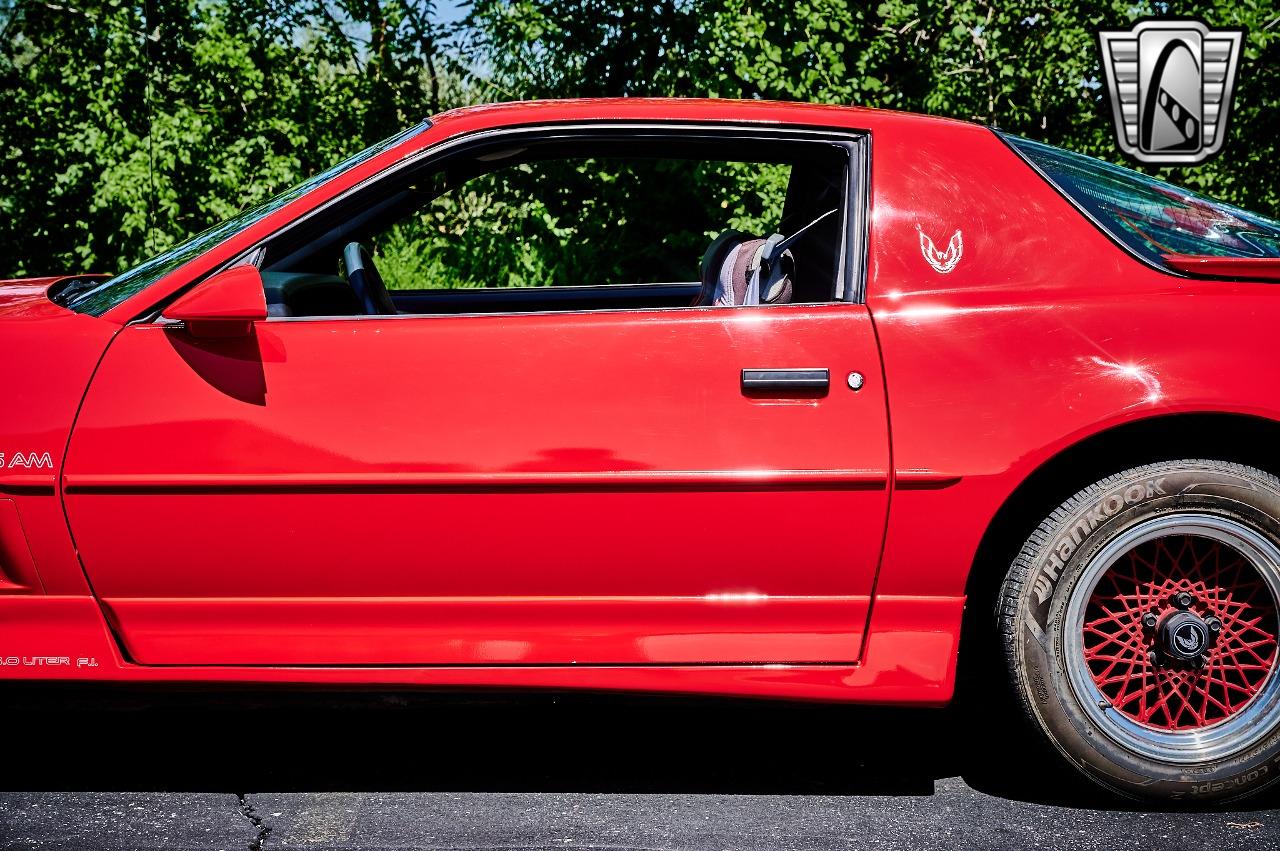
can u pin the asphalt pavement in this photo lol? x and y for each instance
(130, 770)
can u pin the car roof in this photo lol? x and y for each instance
(685, 109)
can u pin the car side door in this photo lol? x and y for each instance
(557, 487)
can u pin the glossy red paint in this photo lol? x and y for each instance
(530, 500)
(47, 355)
(1252, 268)
(559, 515)
(913, 643)
(226, 305)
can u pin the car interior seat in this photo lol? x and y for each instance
(740, 269)
(735, 271)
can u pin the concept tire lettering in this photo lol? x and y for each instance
(1140, 624)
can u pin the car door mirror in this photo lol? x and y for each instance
(225, 305)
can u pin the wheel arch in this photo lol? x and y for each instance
(1242, 438)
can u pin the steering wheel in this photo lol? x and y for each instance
(365, 281)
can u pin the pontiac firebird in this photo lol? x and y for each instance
(980, 410)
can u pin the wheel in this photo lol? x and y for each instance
(1140, 628)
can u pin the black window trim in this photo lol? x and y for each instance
(855, 214)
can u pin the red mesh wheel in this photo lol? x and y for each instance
(1140, 592)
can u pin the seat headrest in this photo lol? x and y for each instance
(734, 272)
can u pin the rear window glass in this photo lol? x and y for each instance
(1150, 216)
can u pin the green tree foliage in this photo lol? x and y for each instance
(233, 101)
(1027, 66)
(73, 141)
(129, 125)
(567, 222)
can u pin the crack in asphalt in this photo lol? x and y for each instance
(260, 828)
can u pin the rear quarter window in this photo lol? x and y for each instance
(1151, 217)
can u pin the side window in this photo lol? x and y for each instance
(619, 224)
(579, 222)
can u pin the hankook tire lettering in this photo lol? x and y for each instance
(1105, 508)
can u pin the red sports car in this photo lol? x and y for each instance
(754, 399)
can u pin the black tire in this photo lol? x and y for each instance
(1062, 586)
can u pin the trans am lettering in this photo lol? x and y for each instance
(1069, 542)
(28, 461)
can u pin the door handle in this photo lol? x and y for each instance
(786, 379)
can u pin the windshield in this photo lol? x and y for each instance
(1150, 216)
(96, 296)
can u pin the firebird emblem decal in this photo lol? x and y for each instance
(941, 261)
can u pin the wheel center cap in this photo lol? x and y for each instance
(1184, 636)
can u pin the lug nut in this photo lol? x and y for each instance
(1149, 620)
(1154, 658)
(1183, 600)
(1214, 624)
